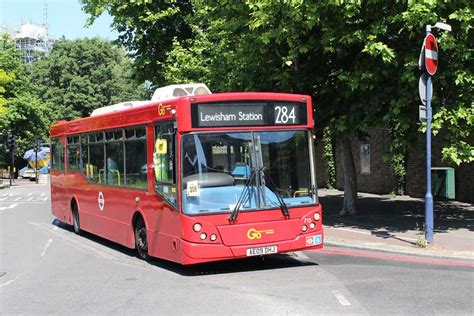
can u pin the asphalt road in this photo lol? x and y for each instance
(46, 269)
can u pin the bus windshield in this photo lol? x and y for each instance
(217, 167)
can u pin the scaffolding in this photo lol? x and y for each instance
(33, 40)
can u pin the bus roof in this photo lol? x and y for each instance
(144, 111)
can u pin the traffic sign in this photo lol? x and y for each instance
(421, 59)
(431, 54)
(422, 88)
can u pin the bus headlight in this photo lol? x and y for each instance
(203, 236)
(317, 217)
(312, 225)
(304, 228)
(197, 227)
(213, 237)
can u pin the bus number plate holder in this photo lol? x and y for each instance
(261, 251)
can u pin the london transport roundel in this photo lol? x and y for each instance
(431, 54)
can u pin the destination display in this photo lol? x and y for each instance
(251, 113)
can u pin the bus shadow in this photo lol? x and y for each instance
(269, 262)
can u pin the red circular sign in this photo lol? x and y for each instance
(431, 54)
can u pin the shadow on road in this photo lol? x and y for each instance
(269, 262)
(394, 214)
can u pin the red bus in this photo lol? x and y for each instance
(192, 178)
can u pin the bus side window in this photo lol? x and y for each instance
(61, 157)
(136, 169)
(84, 159)
(54, 154)
(73, 153)
(164, 164)
(96, 167)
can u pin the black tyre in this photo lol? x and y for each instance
(141, 241)
(75, 219)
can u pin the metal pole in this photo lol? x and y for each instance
(11, 167)
(36, 162)
(429, 196)
(12, 170)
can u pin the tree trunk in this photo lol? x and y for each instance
(350, 178)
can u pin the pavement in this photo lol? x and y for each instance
(394, 224)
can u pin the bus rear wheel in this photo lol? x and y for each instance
(75, 219)
(141, 241)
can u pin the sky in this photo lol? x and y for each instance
(65, 17)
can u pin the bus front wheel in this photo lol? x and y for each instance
(141, 241)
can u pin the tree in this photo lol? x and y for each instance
(357, 59)
(147, 29)
(21, 111)
(28, 118)
(82, 75)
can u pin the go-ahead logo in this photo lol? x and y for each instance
(162, 108)
(253, 233)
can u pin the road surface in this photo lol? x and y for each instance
(46, 269)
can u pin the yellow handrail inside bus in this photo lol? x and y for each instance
(100, 178)
(118, 175)
(300, 191)
(110, 170)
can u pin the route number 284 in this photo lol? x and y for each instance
(285, 114)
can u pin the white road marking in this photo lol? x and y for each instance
(46, 246)
(342, 300)
(94, 248)
(2, 208)
(301, 255)
(11, 281)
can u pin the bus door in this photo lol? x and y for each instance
(167, 220)
(58, 183)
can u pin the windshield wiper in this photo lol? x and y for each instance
(244, 196)
(283, 206)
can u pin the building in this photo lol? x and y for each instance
(375, 175)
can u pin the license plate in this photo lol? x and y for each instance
(262, 251)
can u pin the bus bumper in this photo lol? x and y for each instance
(193, 253)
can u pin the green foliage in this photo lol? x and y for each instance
(28, 119)
(147, 29)
(11, 71)
(358, 59)
(82, 75)
(21, 112)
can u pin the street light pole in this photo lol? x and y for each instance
(429, 223)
